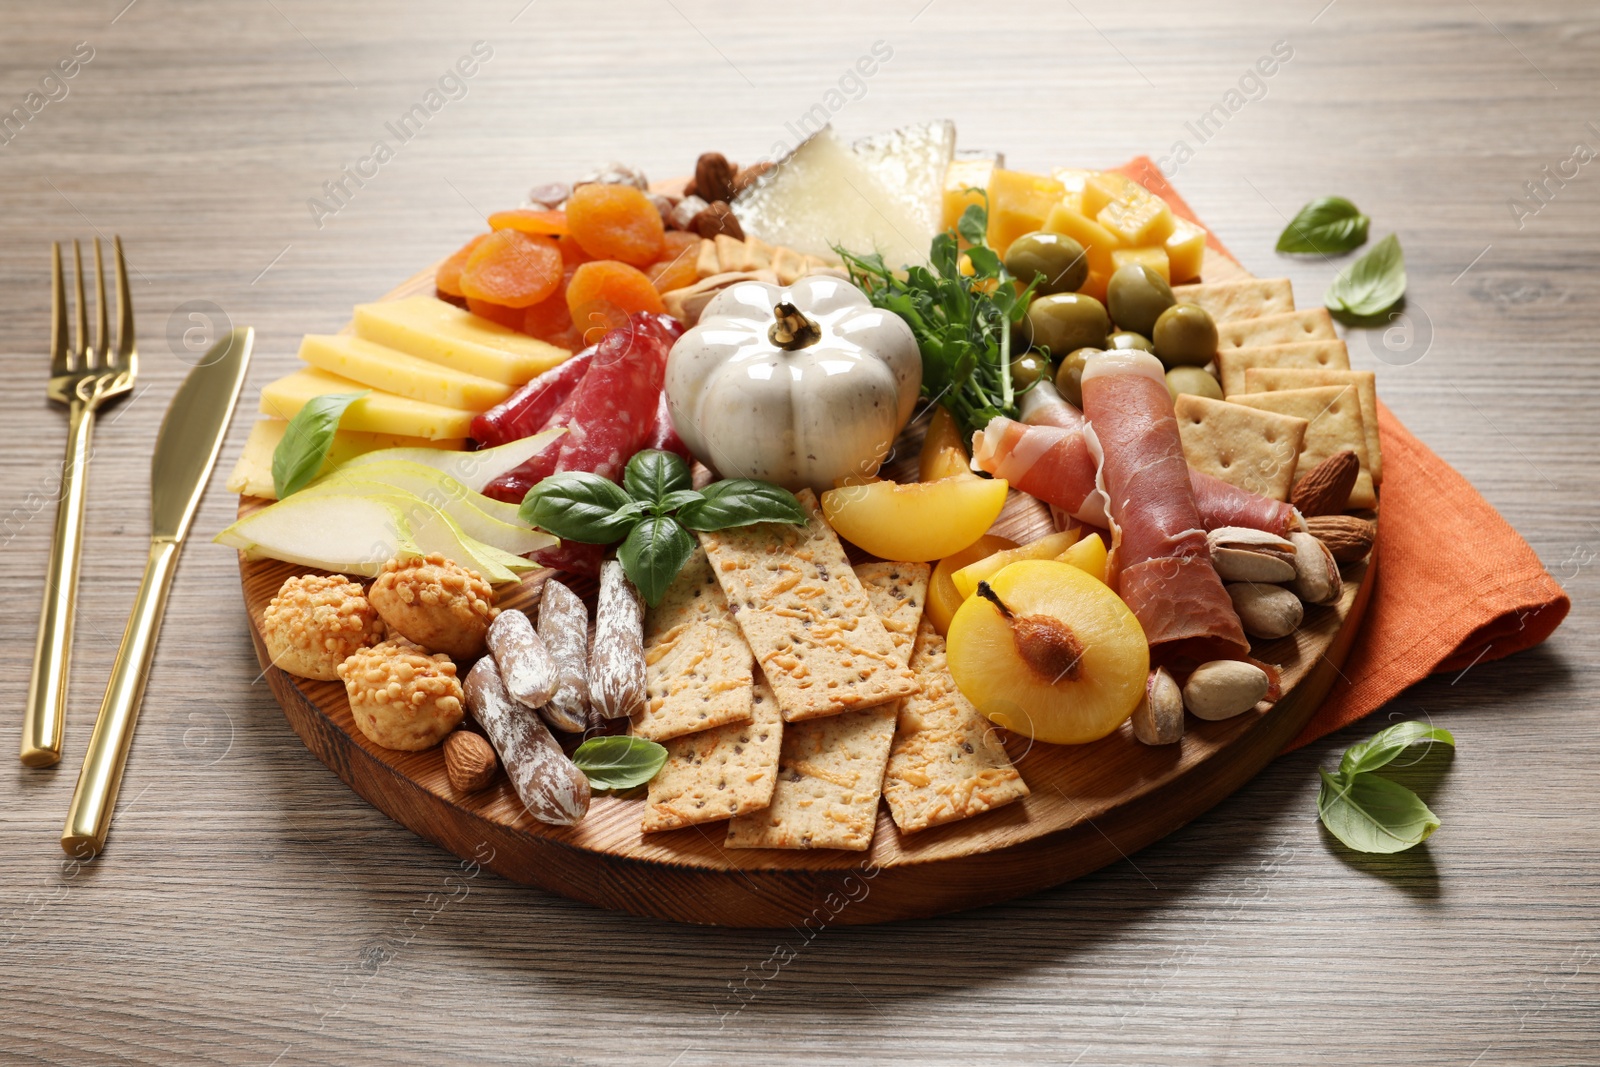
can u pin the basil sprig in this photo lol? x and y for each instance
(618, 761)
(1372, 284)
(1327, 225)
(304, 448)
(651, 513)
(1367, 811)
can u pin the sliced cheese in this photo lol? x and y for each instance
(377, 412)
(400, 373)
(438, 332)
(252, 474)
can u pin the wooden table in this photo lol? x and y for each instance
(251, 909)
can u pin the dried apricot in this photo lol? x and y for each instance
(550, 320)
(602, 295)
(512, 269)
(526, 220)
(616, 222)
(670, 274)
(447, 276)
(510, 318)
(572, 252)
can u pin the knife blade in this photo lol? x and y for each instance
(186, 451)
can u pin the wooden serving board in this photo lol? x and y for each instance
(1089, 804)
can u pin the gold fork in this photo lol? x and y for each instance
(83, 377)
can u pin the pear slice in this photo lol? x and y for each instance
(472, 469)
(347, 534)
(483, 518)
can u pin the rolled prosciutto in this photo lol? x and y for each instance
(1160, 562)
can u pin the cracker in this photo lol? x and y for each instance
(1286, 327)
(804, 614)
(697, 672)
(1250, 298)
(830, 774)
(1233, 363)
(1272, 379)
(946, 763)
(897, 592)
(1334, 415)
(1244, 446)
(720, 773)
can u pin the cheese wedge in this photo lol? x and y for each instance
(438, 332)
(252, 474)
(398, 372)
(376, 412)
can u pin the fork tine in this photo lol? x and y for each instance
(58, 313)
(80, 337)
(100, 354)
(127, 350)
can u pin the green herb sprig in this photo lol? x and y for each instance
(619, 762)
(962, 322)
(304, 448)
(651, 513)
(1368, 812)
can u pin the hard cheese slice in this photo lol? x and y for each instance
(946, 762)
(252, 474)
(830, 771)
(806, 617)
(720, 773)
(439, 332)
(697, 672)
(397, 372)
(376, 412)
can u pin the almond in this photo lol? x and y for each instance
(469, 761)
(713, 177)
(1348, 538)
(1325, 489)
(717, 218)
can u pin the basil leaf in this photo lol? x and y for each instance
(1330, 224)
(579, 506)
(1372, 284)
(1385, 745)
(655, 551)
(652, 474)
(619, 762)
(1370, 813)
(973, 226)
(675, 500)
(304, 448)
(740, 502)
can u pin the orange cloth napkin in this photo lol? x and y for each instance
(1457, 586)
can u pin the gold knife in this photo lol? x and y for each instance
(186, 450)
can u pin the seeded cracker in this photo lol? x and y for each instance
(804, 614)
(697, 671)
(718, 773)
(1313, 324)
(1234, 363)
(946, 762)
(830, 772)
(1248, 298)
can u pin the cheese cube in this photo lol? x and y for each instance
(1154, 258)
(1186, 250)
(377, 412)
(252, 474)
(439, 332)
(963, 179)
(1137, 222)
(399, 373)
(1073, 179)
(1019, 203)
(1097, 241)
(1105, 187)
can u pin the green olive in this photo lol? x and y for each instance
(1196, 381)
(1064, 321)
(1137, 296)
(1069, 375)
(1055, 259)
(1185, 336)
(1128, 339)
(1029, 368)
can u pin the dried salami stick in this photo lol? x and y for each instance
(551, 787)
(616, 661)
(564, 627)
(525, 664)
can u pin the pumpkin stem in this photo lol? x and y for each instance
(792, 330)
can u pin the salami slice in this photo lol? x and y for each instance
(614, 407)
(664, 435)
(528, 410)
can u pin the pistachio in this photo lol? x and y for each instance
(1266, 610)
(1224, 688)
(1241, 554)
(1317, 579)
(1158, 720)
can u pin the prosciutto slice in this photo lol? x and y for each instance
(1160, 562)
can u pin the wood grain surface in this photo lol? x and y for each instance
(251, 909)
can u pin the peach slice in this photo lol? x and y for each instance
(944, 453)
(1046, 651)
(943, 596)
(1050, 546)
(917, 522)
(1089, 556)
